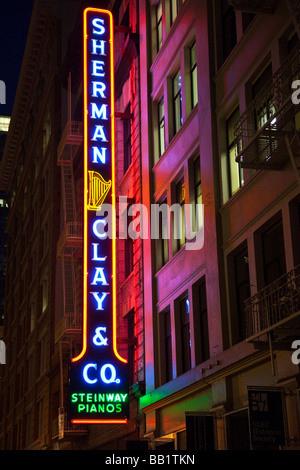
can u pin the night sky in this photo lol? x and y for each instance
(14, 22)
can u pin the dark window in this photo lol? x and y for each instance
(239, 291)
(177, 102)
(295, 228)
(128, 256)
(179, 222)
(194, 87)
(229, 37)
(127, 140)
(273, 252)
(131, 346)
(265, 106)
(237, 431)
(173, 10)
(163, 237)
(185, 339)
(247, 19)
(199, 432)
(235, 172)
(201, 323)
(161, 125)
(197, 195)
(166, 355)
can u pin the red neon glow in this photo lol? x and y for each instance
(99, 421)
(85, 227)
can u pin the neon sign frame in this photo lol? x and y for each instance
(95, 387)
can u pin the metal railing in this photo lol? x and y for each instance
(259, 132)
(253, 6)
(274, 304)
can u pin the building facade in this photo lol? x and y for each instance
(42, 172)
(208, 309)
(223, 132)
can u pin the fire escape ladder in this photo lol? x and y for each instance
(294, 10)
(295, 160)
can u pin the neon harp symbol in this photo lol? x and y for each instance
(99, 363)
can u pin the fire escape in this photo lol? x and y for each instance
(70, 241)
(267, 137)
(68, 330)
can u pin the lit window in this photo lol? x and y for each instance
(159, 25)
(198, 194)
(127, 141)
(179, 225)
(235, 171)
(264, 108)
(173, 10)
(177, 102)
(46, 131)
(161, 124)
(194, 88)
(4, 123)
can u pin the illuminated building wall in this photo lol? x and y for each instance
(43, 174)
(204, 64)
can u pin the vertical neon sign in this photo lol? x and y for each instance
(98, 388)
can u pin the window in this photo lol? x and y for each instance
(273, 252)
(128, 256)
(163, 239)
(44, 294)
(127, 140)
(265, 106)
(165, 346)
(235, 172)
(177, 102)
(194, 87)
(229, 37)
(159, 25)
(46, 131)
(200, 431)
(247, 19)
(161, 125)
(270, 251)
(173, 10)
(237, 431)
(131, 346)
(295, 228)
(39, 418)
(239, 290)
(184, 356)
(201, 322)
(179, 219)
(197, 195)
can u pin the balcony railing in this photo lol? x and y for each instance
(70, 431)
(71, 237)
(69, 327)
(71, 138)
(260, 131)
(254, 6)
(274, 305)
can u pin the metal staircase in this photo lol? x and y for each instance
(69, 244)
